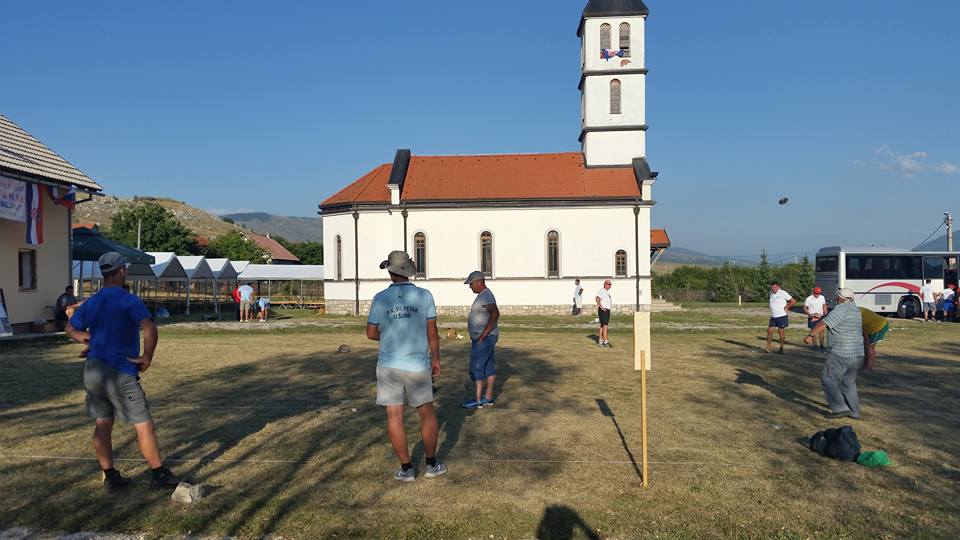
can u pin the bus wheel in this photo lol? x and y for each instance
(909, 308)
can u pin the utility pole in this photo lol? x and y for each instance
(139, 230)
(948, 219)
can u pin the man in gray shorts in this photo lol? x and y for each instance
(403, 318)
(110, 323)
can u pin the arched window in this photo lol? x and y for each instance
(486, 253)
(339, 258)
(625, 39)
(615, 107)
(553, 254)
(620, 262)
(605, 41)
(420, 254)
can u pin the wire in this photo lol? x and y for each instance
(942, 223)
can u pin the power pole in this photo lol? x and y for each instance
(139, 230)
(948, 219)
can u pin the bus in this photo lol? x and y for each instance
(885, 280)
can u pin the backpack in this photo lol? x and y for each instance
(837, 443)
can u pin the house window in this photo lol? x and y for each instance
(28, 270)
(420, 254)
(620, 262)
(553, 254)
(625, 39)
(339, 258)
(615, 97)
(486, 254)
(605, 42)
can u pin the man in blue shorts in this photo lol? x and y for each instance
(780, 304)
(403, 318)
(484, 332)
(110, 323)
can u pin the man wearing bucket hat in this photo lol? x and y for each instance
(484, 332)
(403, 318)
(109, 323)
(815, 306)
(845, 357)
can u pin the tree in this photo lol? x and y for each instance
(160, 230)
(760, 286)
(236, 247)
(806, 279)
(726, 287)
(307, 252)
(228, 220)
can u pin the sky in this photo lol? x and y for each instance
(850, 109)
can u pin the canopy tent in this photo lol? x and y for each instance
(167, 267)
(286, 283)
(89, 245)
(222, 269)
(263, 272)
(239, 266)
(90, 270)
(197, 269)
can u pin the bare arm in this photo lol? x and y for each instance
(598, 303)
(817, 330)
(80, 336)
(150, 338)
(790, 305)
(373, 332)
(494, 317)
(433, 337)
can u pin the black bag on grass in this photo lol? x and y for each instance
(837, 443)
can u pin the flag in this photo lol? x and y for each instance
(67, 198)
(34, 215)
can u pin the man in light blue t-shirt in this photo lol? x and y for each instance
(403, 318)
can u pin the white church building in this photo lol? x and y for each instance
(531, 222)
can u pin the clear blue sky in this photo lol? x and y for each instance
(851, 109)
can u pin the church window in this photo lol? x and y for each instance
(553, 254)
(486, 253)
(339, 258)
(605, 41)
(625, 39)
(620, 260)
(420, 254)
(615, 107)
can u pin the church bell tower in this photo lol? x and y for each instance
(613, 82)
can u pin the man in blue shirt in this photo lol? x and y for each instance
(403, 318)
(109, 323)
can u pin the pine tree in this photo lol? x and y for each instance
(806, 279)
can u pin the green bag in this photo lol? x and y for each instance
(874, 459)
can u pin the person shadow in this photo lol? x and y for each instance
(786, 394)
(561, 522)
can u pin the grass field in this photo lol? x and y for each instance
(285, 431)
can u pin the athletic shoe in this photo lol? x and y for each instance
(408, 475)
(472, 404)
(114, 481)
(835, 415)
(486, 402)
(164, 479)
(434, 471)
(823, 349)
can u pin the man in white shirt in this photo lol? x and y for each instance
(604, 305)
(780, 304)
(577, 297)
(246, 302)
(929, 298)
(815, 306)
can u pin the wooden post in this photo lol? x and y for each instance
(641, 351)
(740, 300)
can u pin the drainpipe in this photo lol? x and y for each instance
(356, 260)
(404, 213)
(636, 247)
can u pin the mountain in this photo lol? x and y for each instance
(681, 255)
(295, 229)
(100, 210)
(937, 244)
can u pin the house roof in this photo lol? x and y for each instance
(612, 8)
(20, 152)
(273, 248)
(659, 238)
(493, 178)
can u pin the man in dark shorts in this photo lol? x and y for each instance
(780, 304)
(64, 301)
(109, 323)
(604, 305)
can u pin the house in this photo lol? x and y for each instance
(38, 190)
(532, 223)
(276, 253)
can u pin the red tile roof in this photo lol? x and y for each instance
(659, 238)
(274, 249)
(494, 177)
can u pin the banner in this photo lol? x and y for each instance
(13, 199)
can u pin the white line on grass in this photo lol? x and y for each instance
(292, 461)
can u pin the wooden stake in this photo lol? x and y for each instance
(643, 425)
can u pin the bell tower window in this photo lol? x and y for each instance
(625, 40)
(605, 41)
(615, 101)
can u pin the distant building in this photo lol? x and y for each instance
(531, 222)
(38, 190)
(276, 253)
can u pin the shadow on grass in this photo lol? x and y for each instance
(563, 523)
(606, 411)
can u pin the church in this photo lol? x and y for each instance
(532, 223)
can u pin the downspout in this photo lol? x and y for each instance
(636, 247)
(356, 260)
(404, 213)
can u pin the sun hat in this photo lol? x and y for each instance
(474, 276)
(110, 262)
(846, 292)
(398, 262)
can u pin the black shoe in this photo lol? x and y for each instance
(164, 479)
(114, 481)
(835, 415)
(780, 351)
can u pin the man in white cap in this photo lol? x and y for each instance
(845, 358)
(109, 323)
(604, 305)
(403, 318)
(484, 330)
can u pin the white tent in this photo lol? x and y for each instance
(291, 274)
(239, 266)
(167, 267)
(222, 269)
(197, 269)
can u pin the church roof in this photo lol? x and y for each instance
(504, 177)
(613, 8)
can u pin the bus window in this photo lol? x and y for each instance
(883, 267)
(933, 268)
(827, 264)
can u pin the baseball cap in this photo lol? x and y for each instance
(474, 276)
(398, 262)
(846, 292)
(817, 290)
(110, 262)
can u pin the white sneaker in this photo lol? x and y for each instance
(408, 475)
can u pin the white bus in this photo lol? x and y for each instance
(885, 280)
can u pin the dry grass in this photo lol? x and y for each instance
(286, 432)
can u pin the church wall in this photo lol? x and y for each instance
(591, 52)
(614, 147)
(597, 101)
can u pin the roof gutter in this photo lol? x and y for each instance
(26, 177)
